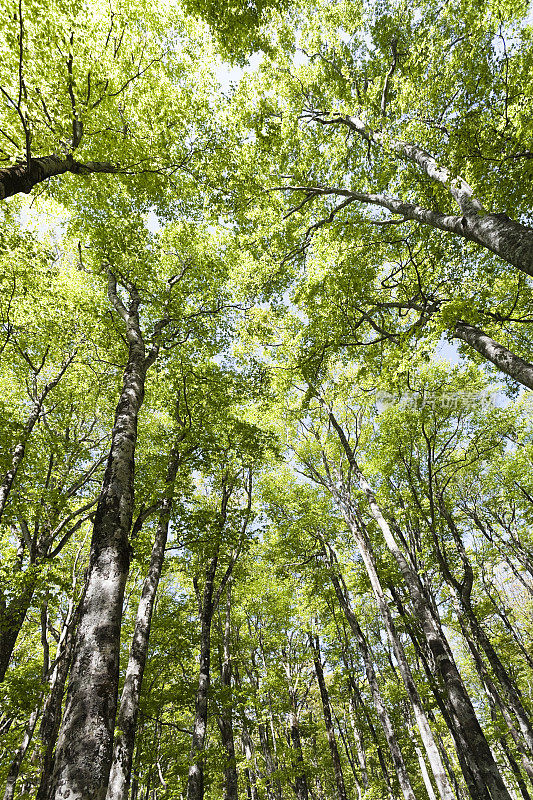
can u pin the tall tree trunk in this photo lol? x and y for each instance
(300, 779)
(439, 698)
(472, 628)
(207, 605)
(195, 781)
(482, 765)
(51, 719)
(85, 744)
(326, 708)
(426, 734)
(225, 721)
(20, 752)
(120, 774)
(496, 701)
(386, 723)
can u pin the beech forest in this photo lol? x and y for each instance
(266, 395)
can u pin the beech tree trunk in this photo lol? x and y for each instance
(326, 708)
(300, 779)
(51, 719)
(225, 721)
(120, 774)
(482, 765)
(501, 357)
(20, 178)
(386, 723)
(85, 743)
(20, 752)
(437, 767)
(195, 782)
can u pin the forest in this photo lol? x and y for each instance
(266, 366)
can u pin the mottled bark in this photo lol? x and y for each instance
(19, 178)
(120, 774)
(85, 743)
(482, 765)
(225, 717)
(326, 708)
(437, 767)
(381, 710)
(506, 361)
(301, 789)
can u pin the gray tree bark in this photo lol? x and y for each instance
(225, 717)
(85, 743)
(326, 708)
(501, 357)
(385, 720)
(482, 765)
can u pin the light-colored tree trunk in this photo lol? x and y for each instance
(120, 774)
(326, 708)
(381, 710)
(483, 768)
(85, 743)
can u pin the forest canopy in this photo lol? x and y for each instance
(266, 485)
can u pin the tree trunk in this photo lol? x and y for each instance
(51, 719)
(20, 752)
(300, 779)
(18, 178)
(195, 782)
(11, 621)
(482, 765)
(507, 238)
(501, 357)
(120, 775)
(225, 721)
(426, 734)
(326, 708)
(386, 723)
(85, 744)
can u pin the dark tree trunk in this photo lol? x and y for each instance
(225, 718)
(326, 708)
(195, 782)
(51, 719)
(20, 752)
(300, 779)
(18, 178)
(482, 765)
(386, 723)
